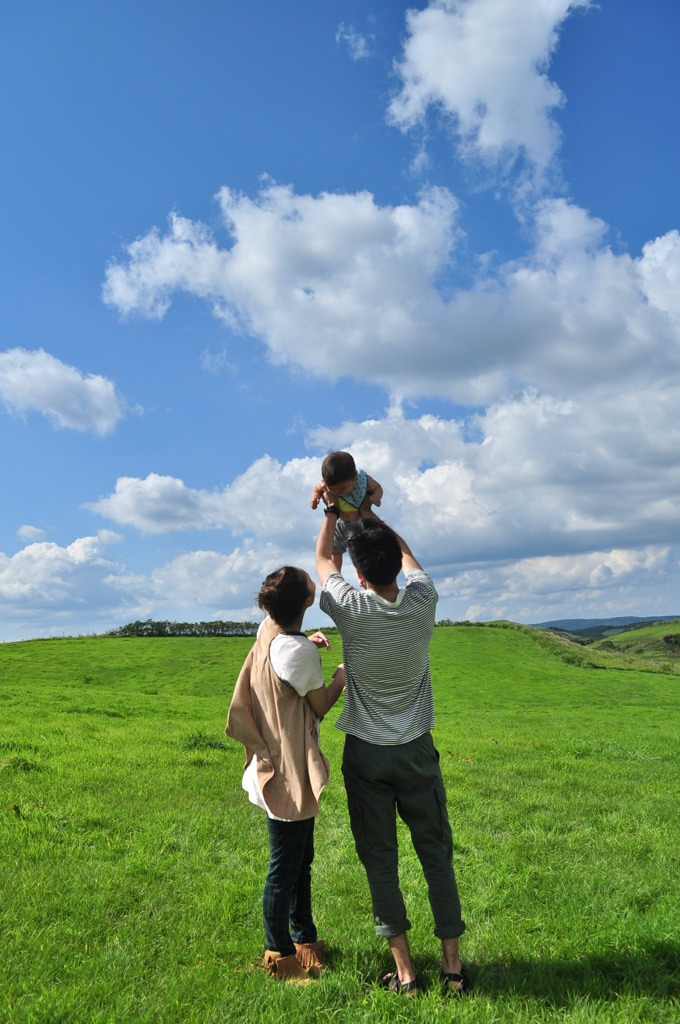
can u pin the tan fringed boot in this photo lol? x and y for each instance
(312, 956)
(285, 968)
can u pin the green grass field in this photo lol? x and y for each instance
(658, 640)
(132, 864)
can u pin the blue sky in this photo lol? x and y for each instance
(444, 236)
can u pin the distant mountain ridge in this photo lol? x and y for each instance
(582, 625)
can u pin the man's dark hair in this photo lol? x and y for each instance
(338, 467)
(375, 551)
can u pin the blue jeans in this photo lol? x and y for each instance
(287, 897)
(381, 781)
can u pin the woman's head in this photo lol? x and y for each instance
(286, 593)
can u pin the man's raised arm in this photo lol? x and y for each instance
(407, 559)
(324, 544)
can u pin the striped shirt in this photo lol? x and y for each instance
(385, 647)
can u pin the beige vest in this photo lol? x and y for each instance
(275, 723)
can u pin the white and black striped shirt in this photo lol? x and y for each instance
(385, 647)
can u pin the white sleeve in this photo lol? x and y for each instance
(297, 662)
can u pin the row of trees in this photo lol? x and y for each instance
(217, 628)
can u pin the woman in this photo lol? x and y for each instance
(278, 702)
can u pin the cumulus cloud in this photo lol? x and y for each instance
(210, 579)
(508, 523)
(207, 584)
(338, 284)
(483, 64)
(30, 533)
(45, 582)
(46, 589)
(528, 477)
(37, 381)
(164, 504)
(311, 276)
(660, 273)
(529, 510)
(610, 582)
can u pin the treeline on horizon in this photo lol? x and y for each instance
(217, 628)
(149, 627)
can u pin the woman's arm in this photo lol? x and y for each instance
(323, 698)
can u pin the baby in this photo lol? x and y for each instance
(351, 489)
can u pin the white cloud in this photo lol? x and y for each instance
(534, 509)
(610, 582)
(160, 504)
(30, 533)
(164, 504)
(660, 274)
(313, 276)
(37, 381)
(339, 285)
(530, 477)
(207, 578)
(210, 584)
(217, 362)
(357, 44)
(483, 64)
(47, 583)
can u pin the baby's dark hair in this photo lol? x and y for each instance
(338, 467)
(283, 594)
(375, 551)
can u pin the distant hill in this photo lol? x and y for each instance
(600, 627)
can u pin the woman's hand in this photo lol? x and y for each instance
(320, 640)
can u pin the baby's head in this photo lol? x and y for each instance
(339, 472)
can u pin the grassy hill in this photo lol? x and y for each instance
(132, 863)
(592, 627)
(660, 640)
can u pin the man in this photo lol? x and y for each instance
(389, 760)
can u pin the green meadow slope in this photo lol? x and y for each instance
(660, 640)
(132, 864)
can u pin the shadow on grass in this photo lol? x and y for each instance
(653, 970)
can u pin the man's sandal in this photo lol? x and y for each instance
(456, 984)
(405, 988)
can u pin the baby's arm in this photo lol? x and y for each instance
(374, 492)
(318, 491)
